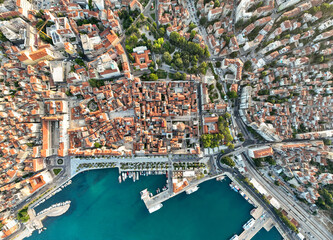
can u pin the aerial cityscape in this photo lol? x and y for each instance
(224, 106)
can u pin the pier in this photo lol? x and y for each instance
(153, 203)
(262, 219)
(35, 221)
(53, 211)
(256, 214)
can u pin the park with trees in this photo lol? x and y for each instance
(223, 137)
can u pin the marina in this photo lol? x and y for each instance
(234, 187)
(51, 194)
(135, 175)
(90, 192)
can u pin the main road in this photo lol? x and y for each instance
(307, 223)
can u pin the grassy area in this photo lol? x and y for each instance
(56, 171)
(161, 74)
(153, 16)
(23, 215)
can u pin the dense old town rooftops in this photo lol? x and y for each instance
(69, 88)
(159, 117)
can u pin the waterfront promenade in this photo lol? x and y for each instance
(35, 221)
(78, 165)
(94, 163)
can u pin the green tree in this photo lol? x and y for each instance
(23, 215)
(257, 162)
(206, 52)
(216, 4)
(90, 5)
(270, 160)
(247, 65)
(227, 115)
(193, 32)
(327, 142)
(203, 21)
(203, 68)
(3, 38)
(231, 146)
(228, 138)
(179, 63)
(133, 40)
(167, 57)
(228, 161)
(232, 94)
(153, 77)
(178, 76)
(161, 31)
(218, 64)
(97, 145)
(206, 140)
(192, 26)
(174, 37)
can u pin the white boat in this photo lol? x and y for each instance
(234, 237)
(220, 178)
(155, 208)
(192, 190)
(137, 176)
(119, 179)
(249, 224)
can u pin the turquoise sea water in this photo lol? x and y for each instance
(103, 209)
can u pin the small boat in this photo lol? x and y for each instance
(233, 187)
(220, 178)
(192, 190)
(137, 175)
(235, 237)
(119, 179)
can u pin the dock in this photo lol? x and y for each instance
(248, 234)
(256, 204)
(262, 220)
(153, 203)
(53, 211)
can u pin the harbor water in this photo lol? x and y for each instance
(103, 209)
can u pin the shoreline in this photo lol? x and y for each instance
(193, 184)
